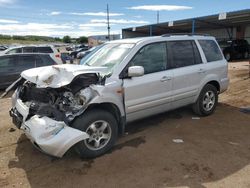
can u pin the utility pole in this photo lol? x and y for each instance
(158, 16)
(108, 22)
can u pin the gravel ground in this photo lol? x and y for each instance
(215, 151)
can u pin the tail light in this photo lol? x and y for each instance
(58, 55)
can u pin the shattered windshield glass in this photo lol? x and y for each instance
(108, 55)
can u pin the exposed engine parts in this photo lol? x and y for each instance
(62, 104)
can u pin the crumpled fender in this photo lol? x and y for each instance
(52, 137)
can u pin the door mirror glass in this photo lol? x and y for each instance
(135, 71)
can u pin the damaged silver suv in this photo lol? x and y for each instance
(87, 106)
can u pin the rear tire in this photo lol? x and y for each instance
(102, 128)
(207, 101)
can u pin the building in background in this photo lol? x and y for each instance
(100, 39)
(224, 26)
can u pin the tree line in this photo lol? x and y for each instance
(65, 39)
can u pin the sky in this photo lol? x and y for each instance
(76, 18)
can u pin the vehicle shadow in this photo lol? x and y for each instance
(214, 148)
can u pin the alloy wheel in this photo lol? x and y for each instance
(99, 135)
(208, 100)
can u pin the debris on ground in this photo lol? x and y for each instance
(196, 118)
(12, 130)
(234, 143)
(178, 141)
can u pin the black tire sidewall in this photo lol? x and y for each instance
(83, 122)
(207, 88)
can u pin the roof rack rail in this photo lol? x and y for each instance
(189, 34)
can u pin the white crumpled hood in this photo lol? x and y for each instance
(57, 75)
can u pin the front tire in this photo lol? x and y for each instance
(207, 101)
(103, 131)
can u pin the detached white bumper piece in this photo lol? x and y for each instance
(50, 136)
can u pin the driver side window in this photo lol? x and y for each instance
(152, 57)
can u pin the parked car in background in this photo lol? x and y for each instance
(2, 48)
(69, 48)
(87, 106)
(80, 55)
(84, 46)
(73, 54)
(233, 49)
(47, 49)
(66, 58)
(11, 65)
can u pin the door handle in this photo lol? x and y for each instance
(165, 78)
(201, 71)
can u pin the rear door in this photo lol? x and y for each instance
(151, 93)
(8, 70)
(186, 63)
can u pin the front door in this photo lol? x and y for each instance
(151, 93)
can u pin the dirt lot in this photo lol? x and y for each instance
(215, 151)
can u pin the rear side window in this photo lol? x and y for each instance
(183, 53)
(44, 50)
(211, 50)
(152, 57)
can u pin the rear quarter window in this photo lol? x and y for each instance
(211, 50)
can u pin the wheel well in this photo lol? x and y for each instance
(215, 84)
(113, 109)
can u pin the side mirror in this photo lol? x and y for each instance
(135, 71)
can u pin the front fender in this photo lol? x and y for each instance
(108, 95)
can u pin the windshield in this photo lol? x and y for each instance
(107, 55)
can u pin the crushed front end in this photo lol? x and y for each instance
(46, 114)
